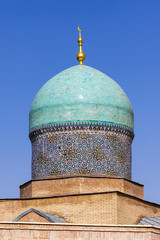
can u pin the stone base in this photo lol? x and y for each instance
(79, 184)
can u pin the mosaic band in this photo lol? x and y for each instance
(81, 126)
(89, 148)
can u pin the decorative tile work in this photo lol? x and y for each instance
(84, 126)
(81, 93)
(89, 149)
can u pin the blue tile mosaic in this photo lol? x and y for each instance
(81, 148)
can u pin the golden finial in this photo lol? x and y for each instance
(80, 56)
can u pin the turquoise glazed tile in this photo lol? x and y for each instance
(81, 94)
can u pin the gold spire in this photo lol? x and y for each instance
(80, 56)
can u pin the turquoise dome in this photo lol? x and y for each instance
(81, 94)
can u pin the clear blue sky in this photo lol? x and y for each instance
(38, 39)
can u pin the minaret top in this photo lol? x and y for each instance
(80, 56)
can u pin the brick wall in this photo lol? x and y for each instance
(105, 208)
(94, 208)
(129, 209)
(22, 231)
(26, 190)
(76, 185)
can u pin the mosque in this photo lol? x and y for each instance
(81, 128)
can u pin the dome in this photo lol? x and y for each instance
(81, 94)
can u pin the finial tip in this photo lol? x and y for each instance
(80, 56)
(79, 29)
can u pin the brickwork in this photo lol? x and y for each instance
(10, 231)
(79, 184)
(26, 190)
(100, 208)
(93, 208)
(133, 189)
(129, 209)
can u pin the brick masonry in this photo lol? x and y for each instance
(79, 184)
(100, 208)
(19, 231)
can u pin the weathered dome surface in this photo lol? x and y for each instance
(81, 94)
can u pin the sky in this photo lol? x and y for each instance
(38, 39)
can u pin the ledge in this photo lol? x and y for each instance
(78, 176)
